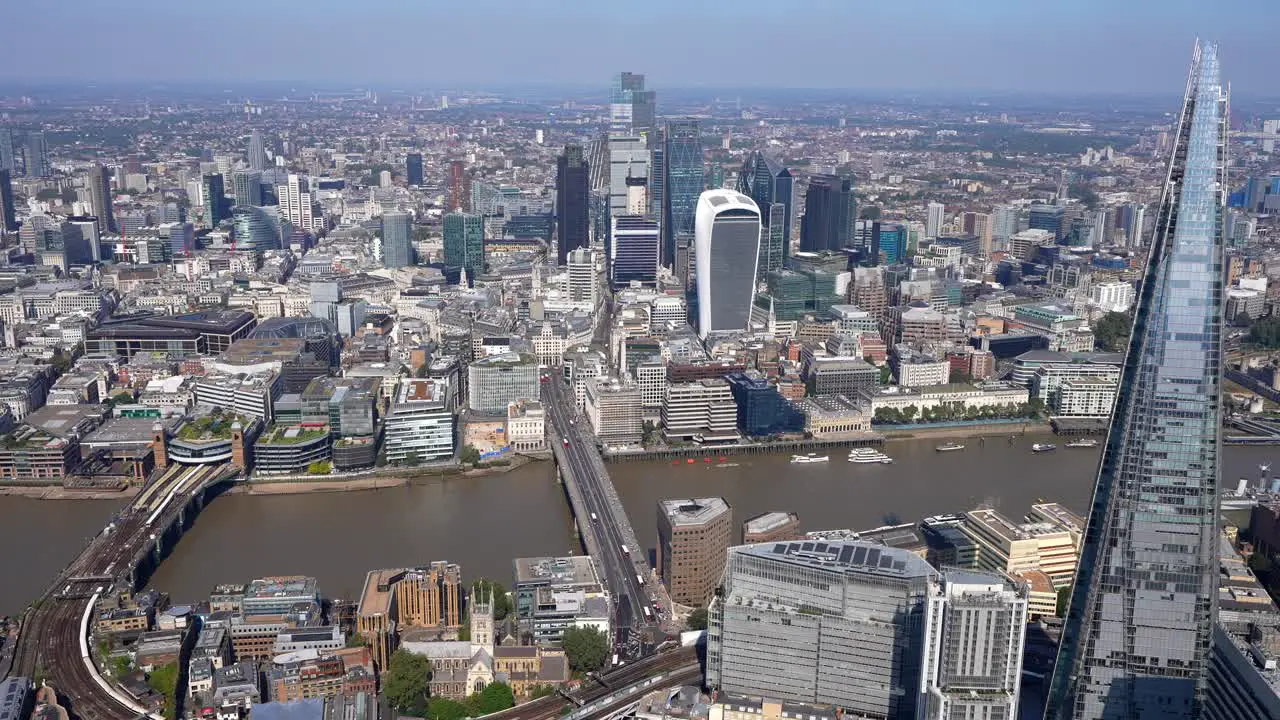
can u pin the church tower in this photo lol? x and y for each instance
(482, 630)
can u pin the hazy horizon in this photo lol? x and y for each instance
(986, 46)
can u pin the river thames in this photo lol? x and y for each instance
(484, 522)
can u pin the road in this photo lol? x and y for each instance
(618, 555)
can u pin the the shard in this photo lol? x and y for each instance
(1137, 636)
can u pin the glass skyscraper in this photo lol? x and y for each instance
(464, 244)
(830, 212)
(684, 184)
(727, 249)
(572, 203)
(397, 239)
(1137, 637)
(413, 169)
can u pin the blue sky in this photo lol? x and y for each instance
(1069, 46)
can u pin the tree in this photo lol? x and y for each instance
(538, 691)
(1265, 332)
(587, 648)
(698, 619)
(445, 709)
(501, 601)
(1112, 331)
(406, 682)
(886, 374)
(870, 212)
(1242, 319)
(1064, 599)
(319, 467)
(164, 680)
(495, 697)
(412, 459)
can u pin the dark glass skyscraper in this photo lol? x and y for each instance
(634, 250)
(99, 182)
(257, 153)
(397, 239)
(413, 169)
(215, 199)
(684, 184)
(6, 150)
(769, 183)
(572, 202)
(37, 155)
(830, 211)
(464, 244)
(8, 214)
(1136, 641)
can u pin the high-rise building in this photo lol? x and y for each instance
(768, 181)
(8, 212)
(80, 240)
(1136, 642)
(829, 623)
(256, 228)
(974, 668)
(628, 174)
(36, 155)
(633, 250)
(413, 169)
(295, 202)
(830, 212)
(572, 202)
(727, 249)
(684, 183)
(257, 156)
(214, 199)
(1004, 224)
(693, 537)
(6, 151)
(246, 185)
(459, 188)
(99, 183)
(496, 381)
(632, 109)
(464, 244)
(397, 239)
(935, 218)
(582, 276)
(1049, 218)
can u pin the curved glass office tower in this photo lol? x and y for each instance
(1137, 636)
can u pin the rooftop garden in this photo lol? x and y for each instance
(293, 434)
(215, 426)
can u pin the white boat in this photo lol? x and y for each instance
(868, 455)
(949, 447)
(810, 458)
(1043, 447)
(1083, 443)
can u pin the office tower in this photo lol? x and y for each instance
(464, 244)
(582, 277)
(727, 249)
(36, 155)
(257, 154)
(99, 185)
(572, 202)
(246, 185)
(628, 172)
(6, 151)
(1138, 632)
(684, 183)
(1004, 224)
(830, 214)
(935, 218)
(496, 381)
(413, 169)
(295, 202)
(80, 240)
(657, 176)
(8, 212)
(1050, 218)
(693, 537)
(974, 667)
(214, 199)
(178, 238)
(397, 239)
(632, 109)
(831, 623)
(768, 182)
(256, 228)
(889, 241)
(459, 188)
(634, 250)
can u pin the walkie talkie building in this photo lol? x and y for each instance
(1137, 636)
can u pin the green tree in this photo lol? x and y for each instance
(470, 455)
(495, 697)
(319, 467)
(412, 459)
(501, 601)
(870, 212)
(1112, 331)
(1064, 599)
(586, 648)
(538, 691)
(164, 680)
(1265, 332)
(445, 709)
(406, 682)
(698, 619)
(886, 374)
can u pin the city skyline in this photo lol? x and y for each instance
(1097, 47)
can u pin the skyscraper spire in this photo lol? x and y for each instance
(1137, 636)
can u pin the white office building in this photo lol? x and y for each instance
(727, 243)
(420, 422)
(1112, 296)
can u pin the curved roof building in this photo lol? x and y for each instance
(727, 242)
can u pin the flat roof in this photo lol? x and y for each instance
(769, 521)
(693, 511)
(1007, 529)
(856, 555)
(572, 570)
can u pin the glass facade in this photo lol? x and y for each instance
(464, 244)
(830, 212)
(413, 169)
(572, 204)
(728, 245)
(634, 251)
(762, 411)
(684, 183)
(1137, 637)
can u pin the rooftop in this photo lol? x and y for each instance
(693, 511)
(1006, 529)
(281, 586)
(292, 434)
(574, 570)
(847, 555)
(375, 599)
(211, 427)
(769, 521)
